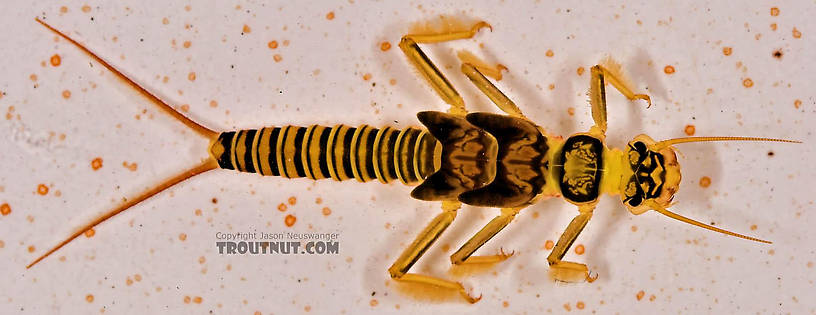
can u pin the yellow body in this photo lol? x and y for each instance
(481, 159)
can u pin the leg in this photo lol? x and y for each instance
(429, 71)
(565, 270)
(485, 234)
(399, 270)
(476, 74)
(597, 93)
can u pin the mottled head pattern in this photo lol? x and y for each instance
(655, 175)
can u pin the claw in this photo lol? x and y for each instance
(591, 276)
(505, 255)
(469, 298)
(645, 98)
(480, 25)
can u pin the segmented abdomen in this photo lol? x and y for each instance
(339, 152)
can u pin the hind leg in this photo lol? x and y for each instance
(434, 77)
(426, 238)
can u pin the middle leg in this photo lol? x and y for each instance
(463, 255)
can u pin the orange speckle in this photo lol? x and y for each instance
(182, 237)
(747, 82)
(774, 11)
(705, 181)
(373, 302)
(285, 42)
(185, 108)
(137, 277)
(551, 86)
(796, 33)
(277, 58)
(246, 29)
(690, 129)
(165, 21)
(289, 220)
(367, 76)
(810, 264)
(652, 298)
(634, 228)
(506, 304)
(773, 26)
(202, 260)
(89, 298)
(318, 200)
(385, 46)
(307, 308)
(580, 71)
(131, 166)
(96, 163)
(187, 299)
(63, 9)
(640, 295)
(89, 233)
(549, 53)
(727, 51)
(580, 305)
(213, 103)
(56, 60)
(771, 252)
(571, 111)
(214, 200)
(86, 8)
(326, 211)
(66, 94)
(187, 44)
(797, 103)
(191, 76)
(282, 207)
(197, 300)
(128, 281)
(567, 307)
(33, 77)
(42, 189)
(5, 209)
(330, 16)
(292, 200)
(257, 313)
(668, 69)
(272, 44)
(753, 227)
(198, 212)
(549, 244)
(2, 244)
(31, 248)
(580, 249)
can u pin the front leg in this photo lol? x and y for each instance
(568, 271)
(597, 93)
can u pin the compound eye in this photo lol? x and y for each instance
(635, 201)
(640, 147)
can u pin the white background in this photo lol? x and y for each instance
(319, 80)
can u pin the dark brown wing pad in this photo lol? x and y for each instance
(521, 166)
(468, 159)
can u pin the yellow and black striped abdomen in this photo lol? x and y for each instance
(341, 152)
